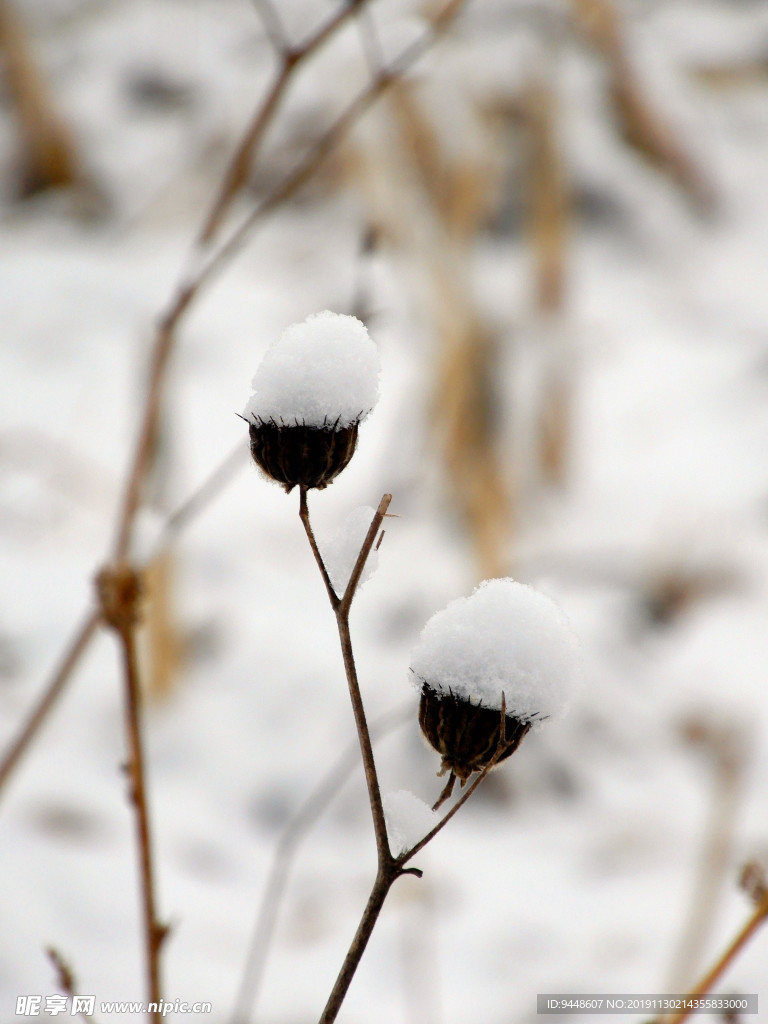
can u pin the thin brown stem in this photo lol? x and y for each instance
(341, 608)
(326, 143)
(725, 959)
(385, 878)
(69, 662)
(154, 931)
(291, 58)
(243, 159)
(364, 738)
(119, 588)
(145, 444)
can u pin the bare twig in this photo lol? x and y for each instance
(325, 144)
(202, 496)
(119, 590)
(291, 58)
(77, 647)
(341, 610)
(65, 979)
(724, 961)
(296, 831)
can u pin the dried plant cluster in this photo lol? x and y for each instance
(485, 689)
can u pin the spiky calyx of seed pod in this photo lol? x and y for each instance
(466, 735)
(302, 455)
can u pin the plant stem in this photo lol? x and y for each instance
(79, 644)
(364, 737)
(384, 880)
(154, 932)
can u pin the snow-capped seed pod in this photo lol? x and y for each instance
(508, 647)
(313, 388)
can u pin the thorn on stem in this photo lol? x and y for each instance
(447, 790)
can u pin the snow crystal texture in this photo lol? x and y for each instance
(321, 372)
(505, 638)
(408, 820)
(340, 551)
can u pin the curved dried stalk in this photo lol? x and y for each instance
(77, 647)
(724, 961)
(298, 828)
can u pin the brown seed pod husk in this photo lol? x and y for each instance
(466, 735)
(301, 455)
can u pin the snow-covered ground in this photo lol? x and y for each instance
(575, 867)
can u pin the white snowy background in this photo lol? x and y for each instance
(575, 867)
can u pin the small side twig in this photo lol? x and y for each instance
(291, 58)
(65, 979)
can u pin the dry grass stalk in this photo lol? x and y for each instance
(751, 926)
(548, 215)
(724, 748)
(162, 645)
(643, 127)
(49, 155)
(120, 591)
(430, 202)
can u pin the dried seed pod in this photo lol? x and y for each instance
(302, 455)
(466, 735)
(506, 650)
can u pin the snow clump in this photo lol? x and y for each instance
(408, 820)
(505, 638)
(340, 551)
(323, 372)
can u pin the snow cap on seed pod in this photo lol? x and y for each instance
(312, 389)
(506, 641)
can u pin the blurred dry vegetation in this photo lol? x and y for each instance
(438, 167)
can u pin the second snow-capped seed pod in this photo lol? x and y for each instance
(507, 645)
(313, 388)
